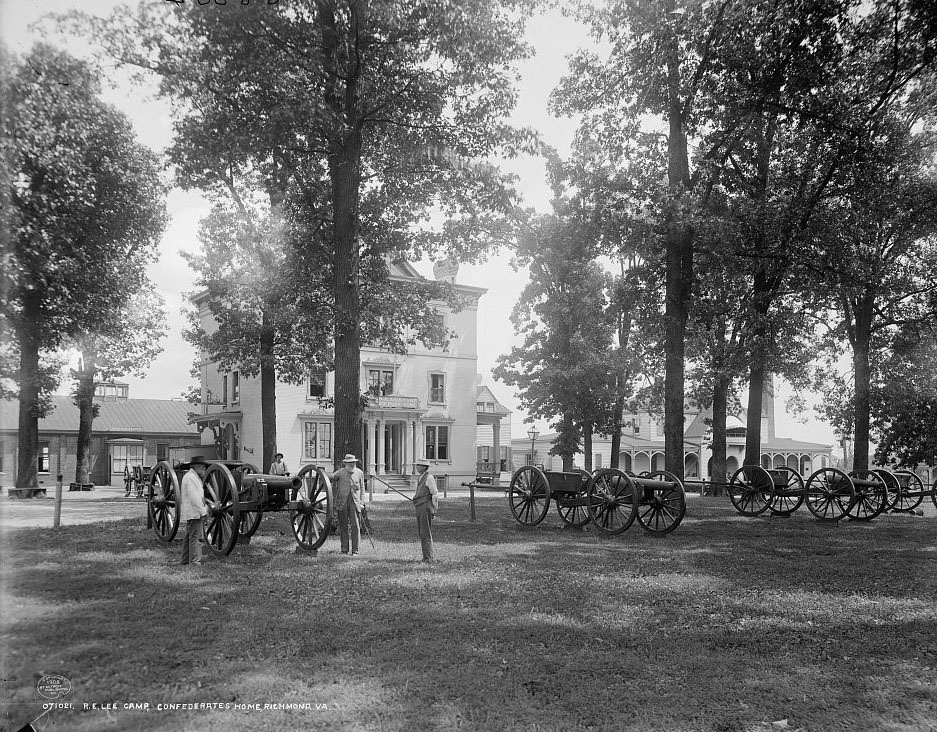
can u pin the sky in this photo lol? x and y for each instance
(553, 36)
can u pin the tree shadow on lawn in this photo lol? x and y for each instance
(711, 627)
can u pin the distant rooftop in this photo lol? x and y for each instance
(156, 416)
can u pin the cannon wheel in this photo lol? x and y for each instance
(311, 522)
(892, 486)
(529, 495)
(909, 495)
(161, 502)
(660, 510)
(610, 500)
(577, 516)
(790, 501)
(751, 490)
(827, 493)
(223, 518)
(250, 520)
(870, 501)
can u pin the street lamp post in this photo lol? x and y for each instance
(533, 434)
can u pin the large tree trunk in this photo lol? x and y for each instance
(720, 407)
(864, 313)
(347, 308)
(587, 444)
(756, 386)
(345, 175)
(28, 428)
(763, 292)
(617, 419)
(567, 434)
(268, 392)
(679, 277)
(84, 398)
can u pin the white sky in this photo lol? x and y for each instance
(553, 36)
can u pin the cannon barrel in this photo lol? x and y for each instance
(272, 481)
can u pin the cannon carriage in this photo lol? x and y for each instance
(237, 497)
(609, 498)
(906, 490)
(829, 493)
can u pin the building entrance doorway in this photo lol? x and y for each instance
(393, 447)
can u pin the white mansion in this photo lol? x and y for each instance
(425, 403)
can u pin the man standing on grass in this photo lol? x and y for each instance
(191, 509)
(426, 503)
(348, 487)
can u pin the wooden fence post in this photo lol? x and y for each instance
(57, 512)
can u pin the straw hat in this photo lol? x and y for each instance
(349, 458)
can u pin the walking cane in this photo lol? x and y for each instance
(363, 521)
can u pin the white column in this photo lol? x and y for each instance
(371, 447)
(363, 458)
(496, 437)
(405, 454)
(380, 447)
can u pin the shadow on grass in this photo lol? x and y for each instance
(726, 624)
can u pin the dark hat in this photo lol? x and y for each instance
(278, 455)
(198, 460)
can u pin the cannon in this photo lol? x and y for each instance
(237, 496)
(753, 490)
(906, 490)
(609, 498)
(829, 493)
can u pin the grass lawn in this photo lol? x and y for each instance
(729, 623)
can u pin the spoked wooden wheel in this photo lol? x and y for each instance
(871, 495)
(751, 490)
(910, 491)
(610, 501)
(162, 501)
(250, 520)
(828, 493)
(892, 486)
(661, 505)
(529, 495)
(576, 515)
(310, 520)
(224, 515)
(787, 496)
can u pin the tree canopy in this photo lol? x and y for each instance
(368, 116)
(86, 213)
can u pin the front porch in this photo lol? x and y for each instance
(390, 440)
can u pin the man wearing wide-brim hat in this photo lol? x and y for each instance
(426, 503)
(191, 509)
(348, 492)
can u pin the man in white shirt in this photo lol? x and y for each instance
(348, 491)
(278, 467)
(191, 509)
